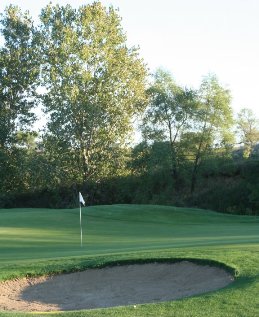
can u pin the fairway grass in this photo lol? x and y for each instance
(42, 241)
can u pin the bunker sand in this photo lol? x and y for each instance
(112, 286)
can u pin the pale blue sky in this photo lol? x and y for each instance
(191, 38)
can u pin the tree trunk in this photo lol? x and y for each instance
(194, 173)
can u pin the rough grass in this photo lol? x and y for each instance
(40, 241)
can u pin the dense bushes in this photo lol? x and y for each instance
(234, 191)
(224, 183)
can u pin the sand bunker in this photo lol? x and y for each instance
(112, 286)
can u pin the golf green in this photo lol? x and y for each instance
(42, 241)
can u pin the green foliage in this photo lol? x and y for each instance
(150, 158)
(222, 184)
(93, 87)
(194, 123)
(13, 175)
(95, 84)
(91, 84)
(19, 70)
(169, 113)
(248, 128)
(213, 121)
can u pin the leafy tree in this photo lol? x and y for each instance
(169, 113)
(248, 129)
(26, 140)
(19, 70)
(213, 121)
(150, 158)
(94, 85)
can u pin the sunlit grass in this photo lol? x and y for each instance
(40, 241)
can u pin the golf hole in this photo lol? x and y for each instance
(112, 286)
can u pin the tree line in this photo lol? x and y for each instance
(76, 66)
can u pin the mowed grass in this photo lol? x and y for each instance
(41, 241)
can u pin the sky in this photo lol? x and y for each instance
(190, 38)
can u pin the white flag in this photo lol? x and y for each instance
(81, 199)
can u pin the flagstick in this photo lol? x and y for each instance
(81, 226)
(81, 200)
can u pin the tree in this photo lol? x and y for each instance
(19, 70)
(94, 85)
(213, 121)
(248, 129)
(150, 158)
(169, 113)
